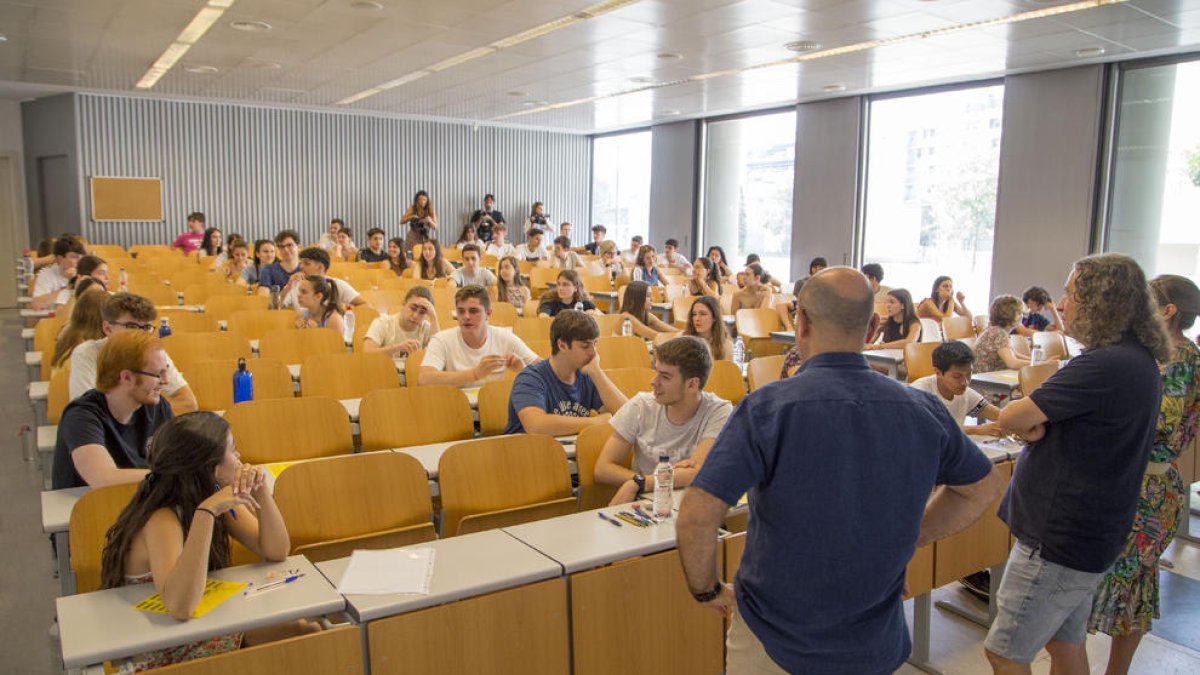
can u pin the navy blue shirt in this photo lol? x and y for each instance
(1074, 492)
(553, 307)
(275, 275)
(87, 421)
(839, 461)
(367, 255)
(537, 386)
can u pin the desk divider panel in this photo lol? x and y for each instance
(983, 544)
(332, 652)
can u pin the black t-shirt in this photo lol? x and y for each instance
(1075, 491)
(553, 307)
(367, 255)
(483, 231)
(87, 421)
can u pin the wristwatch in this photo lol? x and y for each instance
(708, 596)
(641, 482)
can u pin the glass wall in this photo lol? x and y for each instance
(1155, 191)
(621, 186)
(932, 166)
(749, 165)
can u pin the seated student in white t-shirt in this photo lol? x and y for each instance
(471, 273)
(405, 331)
(54, 277)
(678, 418)
(499, 247)
(952, 373)
(314, 262)
(473, 352)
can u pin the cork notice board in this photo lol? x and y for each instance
(126, 198)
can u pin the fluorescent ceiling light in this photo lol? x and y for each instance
(590, 12)
(190, 35)
(838, 51)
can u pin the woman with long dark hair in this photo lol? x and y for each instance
(264, 254)
(212, 245)
(432, 264)
(706, 280)
(942, 301)
(509, 287)
(901, 325)
(645, 267)
(568, 293)
(421, 220)
(85, 324)
(397, 257)
(717, 255)
(635, 306)
(704, 321)
(318, 298)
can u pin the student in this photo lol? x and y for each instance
(645, 267)
(756, 293)
(673, 258)
(635, 247)
(1042, 315)
(564, 230)
(992, 348)
(498, 247)
(375, 250)
(472, 352)
(678, 419)
(755, 259)
(317, 299)
(787, 310)
(704, 280)
(345, 248)
(537, 218)
(468, 236)
(874, 274)
(599, 232)
(421, 219)
(471, 273)
(568, 293)
(509, 286)
(53, 278)
(949, 382)
(562, 257)
(704, 321)
(556, 396)
(264, 257)
(397, 258)
(406, 331)
(901, 325)
(487, 218)
(104, 433)
(329, 239)
(286, 268)
(177, 525)
(86, 323)
(88, 267)
(212, 245)
(635, 306)
(314, 262)
(609, 262)
(942, 301)
(432, 264)
(234, 269)
(191, 239)
(717, 255)
(532, 251)
(124, 312)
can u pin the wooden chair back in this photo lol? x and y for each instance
(610, 324)
(255, 323)
(185, 321)
(930, 331)
(918, 359)
(399, 418)
(726, 381)
(370, 501)
(541, 278)
(212, 381)
(596, 283)
(287, 429)
(1032, 377)
(955, 327)
(45, 339)
(92, 515)
(155, 292)
(981, 323)
(150, 250)
(343, 376)
(201, 293)
(539, 347)
(383, 301)
(764, 370)
(412, 366)
(220, 307)
(291, 346)
(503, 314)
(187, 348)
(364, 316)
(1019, 344)
(630, 380)
(503, 473)
(1051, 342)
(493, 406)
(59, 394)
(679, 310)
(588, 446)
(623, 351)
(532, 327)
(755, 327)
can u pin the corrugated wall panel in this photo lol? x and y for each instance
(255, 170)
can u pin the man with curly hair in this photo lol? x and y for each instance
(1075, 487)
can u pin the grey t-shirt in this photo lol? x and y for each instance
(643, 423)
(482, 277)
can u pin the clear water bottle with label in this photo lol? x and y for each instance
(664, 484)
(1036, 356)
(627, 327)
(348, 327)
(739, 351)
(123, 280)
(164, 327)
(243, 383)
(579, 307)
(274, 298)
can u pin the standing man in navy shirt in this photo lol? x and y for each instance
(839, 462)
(1075, 487)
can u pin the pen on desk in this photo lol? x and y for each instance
(639, 518)
(629, 520)
(607, 519)
(274, 584)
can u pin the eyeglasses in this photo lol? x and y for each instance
(158, 376)
(134, 325)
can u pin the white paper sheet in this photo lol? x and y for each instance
(398, 570)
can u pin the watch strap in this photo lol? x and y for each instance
(709, 596)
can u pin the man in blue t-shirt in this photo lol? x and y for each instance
(284, 272)
(1075, 488)
(839, 462)
(556, 396)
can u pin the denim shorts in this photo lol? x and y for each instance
(1039, 601)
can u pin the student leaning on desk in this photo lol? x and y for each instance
(177, 526)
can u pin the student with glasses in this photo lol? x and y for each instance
(286, 268)
(104, 434)
(122, 312)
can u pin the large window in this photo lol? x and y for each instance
(932, 165)
(749, 167)
(1156, 170)
(621, 185)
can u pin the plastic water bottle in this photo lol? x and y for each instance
(274, 298)
(122, 280)
(348, 327)
(164, 328)
(249, 291)
(1036, 356)
(579, 307)
(179, 298)
(739, 351)
(243, 383)
(627, 327)
(664, 483)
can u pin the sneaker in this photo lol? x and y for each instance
(978, 584)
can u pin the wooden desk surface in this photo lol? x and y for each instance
(999, 378)
(885, 355)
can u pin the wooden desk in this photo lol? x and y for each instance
(999, 387)
(888, 358)
(430, 455)
(95, 627)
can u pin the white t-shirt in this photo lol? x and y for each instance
(83, 370)
(447, 351)
(494, 249)
(538, 253)
(677, 259)
(389, 330)
(48, 280)
(482, 277)
(970, 402)
(345, 293)
(643, 423)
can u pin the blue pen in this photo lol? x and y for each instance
(607, 518)
(274, 584)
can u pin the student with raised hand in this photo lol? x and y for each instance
(645, 267)
(678, 418)
(499, 247)
(943, 301)
(756, 293)
(472, 352)
(286, 268)
(901, 325)
(992, 348)
(318, 301)
(563, 257)
(86, 323)
(264, 256)
(704, 322)
(375, 250)
(432, 264)
(556, 396)
(1042, 315)
(103, 434)
(405, 331)
(635, 306)
(177, 528)
(472, 273)
(192, 237)
(533, 251)
(124, 312)
(568, 293)
(54, 277)
(950, 384)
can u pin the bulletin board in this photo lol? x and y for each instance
(126, 198)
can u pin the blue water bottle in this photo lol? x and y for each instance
(243, 383)
(164, 329)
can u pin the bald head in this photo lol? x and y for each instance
(839, 304)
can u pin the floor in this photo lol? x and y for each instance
(28, 586)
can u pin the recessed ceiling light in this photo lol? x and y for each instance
(669, 56)
(1089, 52)
(641, 79)
(802, 46)
(516, 93)
(3, 37)
(250, 26)
(202, 70)
(366, 6)
(832, 88)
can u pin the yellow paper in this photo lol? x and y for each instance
(215, 592)
(277, 468)
(743, 498)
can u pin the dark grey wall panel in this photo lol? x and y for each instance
(256, 170)
(51, 155)
(673, 199)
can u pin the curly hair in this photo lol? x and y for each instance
(1112, 298)
(1005, 311)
